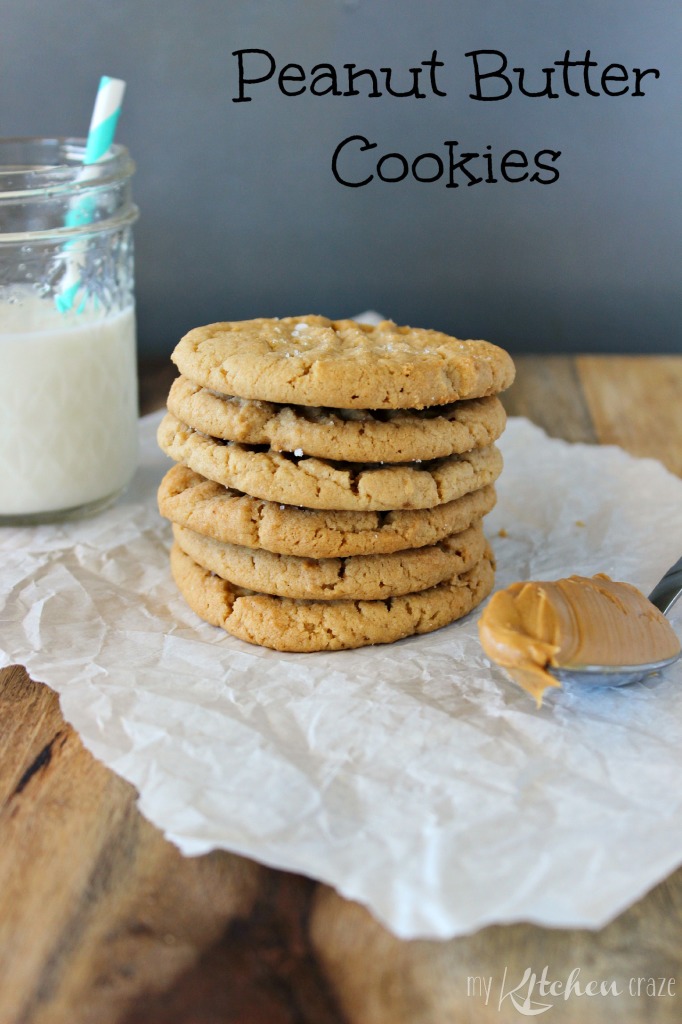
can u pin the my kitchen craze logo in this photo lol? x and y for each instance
(531, 995)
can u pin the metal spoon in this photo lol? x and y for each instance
(663, 596)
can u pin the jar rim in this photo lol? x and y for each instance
(37, 165)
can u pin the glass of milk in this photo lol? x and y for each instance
(68, 381)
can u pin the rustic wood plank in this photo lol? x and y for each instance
(636, 402)
(549, 392)
(95, 906)
(381, 980)
(262, 971)
(31, 722)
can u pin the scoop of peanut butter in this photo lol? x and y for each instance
(568, 623)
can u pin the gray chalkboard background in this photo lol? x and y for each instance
(241, 215)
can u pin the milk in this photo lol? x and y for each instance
(68, 407)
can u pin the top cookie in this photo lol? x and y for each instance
(310, 360)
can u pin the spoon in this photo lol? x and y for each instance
(663, 596)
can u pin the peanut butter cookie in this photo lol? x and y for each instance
(360, 577)
(291, 625)
(321, 483)
(227, 515)
(310, 360)
(355, 435)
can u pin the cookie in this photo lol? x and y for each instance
(290, 625)
(352, 435)
(321, 483)
(310, 360)
(227, 515)
(359, 577)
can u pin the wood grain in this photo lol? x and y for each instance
(95, 906)
(381, 980)
(636, 402)
(548, 391)
(102, 921)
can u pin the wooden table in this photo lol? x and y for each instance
(102, 920)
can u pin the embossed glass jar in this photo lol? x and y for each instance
(68, 381)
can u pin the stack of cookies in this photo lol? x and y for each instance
(331, 478)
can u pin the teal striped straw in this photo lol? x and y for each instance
(105, 115)
(101, 134)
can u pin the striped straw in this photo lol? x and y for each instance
(103, 123)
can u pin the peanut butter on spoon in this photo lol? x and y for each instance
(532, 627)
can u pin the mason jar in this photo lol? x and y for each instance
(68, 379)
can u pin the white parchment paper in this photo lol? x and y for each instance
(413, 777)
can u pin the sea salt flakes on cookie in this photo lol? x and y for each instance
(315, 361)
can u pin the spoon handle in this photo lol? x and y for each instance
(667, 590)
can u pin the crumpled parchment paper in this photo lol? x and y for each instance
(412, 777)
